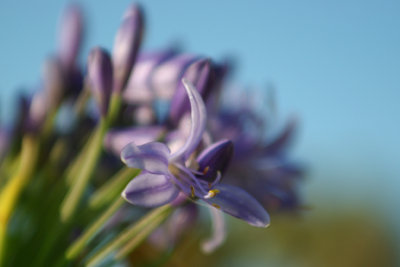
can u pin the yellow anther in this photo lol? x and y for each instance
(216, 206)
(192, 191)
(206, 169)
(212, 193)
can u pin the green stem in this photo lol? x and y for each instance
(115, 106)
(78, 245)
(112, 188)
(74, 195)
(139, 238)
(76, 165)
(80, 103)
(130, 233)
(10, 193)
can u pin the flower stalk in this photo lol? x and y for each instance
(10, 193)
(74, 250)
(75, 193)
(129, 233)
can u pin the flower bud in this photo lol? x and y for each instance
(38, 109)
(214, 159)
(126, 46)
(71, 35)
(100, 76)
(200, 75)
(53, 82)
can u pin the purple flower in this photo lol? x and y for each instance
(71, 35)
(126, 46)
(139, 89)
(165, 174)
(100, 75)
(200, 74)
(116, 140)
(260, 166)
(53, 82)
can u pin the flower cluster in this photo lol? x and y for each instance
(156, 137)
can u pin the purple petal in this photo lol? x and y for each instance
(116, 140)
(100, 74)
(126, 46)
(215, 159)
(38, 109)
(219, 232)
(53, 82)
(198, 123)
(282, 141)
(167, 76)
(139, 88)
(150, 190)
(70, 39)
(151, 157)
(240, 204)
(200, 75)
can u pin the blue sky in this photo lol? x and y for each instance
(336, 64)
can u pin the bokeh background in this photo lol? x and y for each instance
(335, 64)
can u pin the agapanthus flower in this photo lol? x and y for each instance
(261, 156)
(165, 174)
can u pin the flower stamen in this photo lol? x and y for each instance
(192, 191)
(212, 193)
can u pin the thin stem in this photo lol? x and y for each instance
(10, 193)
(115, 106)
(139, 238)
(74, 195)
(129, 233)
(78, 245)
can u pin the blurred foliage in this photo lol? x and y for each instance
(323, 236)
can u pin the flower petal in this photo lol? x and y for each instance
(214, 159)
(139, 89)
(219, 232)
(200, 74)
(150, 190)
(117, 139)
(240, 204)
(151, 157)
(166, 77)
(198, 123)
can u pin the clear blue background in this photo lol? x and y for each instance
(334, 63)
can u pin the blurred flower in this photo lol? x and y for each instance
(164, 174)
(70, 37)
(260, 164)
(126, 46)
(100, 75)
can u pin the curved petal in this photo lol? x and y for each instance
(151, 157)
(238, 203)
(219, 232)
(117, 139)
(150, 190)
(198, 123)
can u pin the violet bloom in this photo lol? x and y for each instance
(165, 174)
(274, 178)
(100, 75)
(71, 36)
